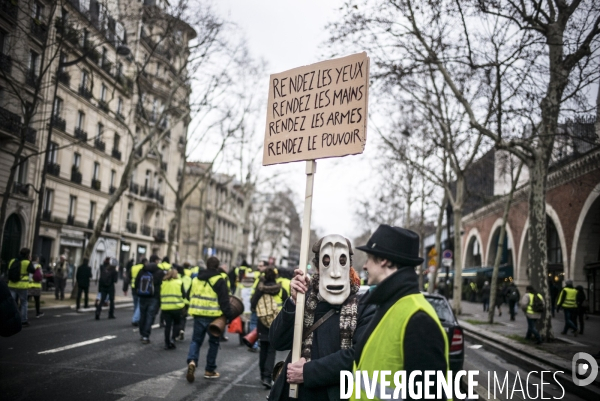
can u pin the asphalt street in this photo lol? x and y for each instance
(109, 363)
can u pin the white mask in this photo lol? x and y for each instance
(334, 269)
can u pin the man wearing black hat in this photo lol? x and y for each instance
(405, 333)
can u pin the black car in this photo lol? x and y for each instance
(456, 341)
(455, 332)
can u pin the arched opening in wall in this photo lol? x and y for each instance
(11, 240)
(507, 254)
(473, 255)
(587, 258)
(554, 254)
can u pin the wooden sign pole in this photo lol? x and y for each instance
(311, 169)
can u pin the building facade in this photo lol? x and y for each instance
(105, 87)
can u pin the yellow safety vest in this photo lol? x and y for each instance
(171, 297)
(134, 272)
(187, 283)
(33, 284)
(256, 281)
(164, 266)
(286, 284)
(204, 301)
(23, 283)
(384, 349)
(530, 304)
(195, 270)
(226, 278)
(187, 272)
(238, 270)
(568, 296)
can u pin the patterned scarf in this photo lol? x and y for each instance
(348, 313)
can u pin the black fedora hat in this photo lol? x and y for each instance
(395, 244)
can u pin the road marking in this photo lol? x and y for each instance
(81, 344)
(476, 346)
(251, 368)
(157, 387)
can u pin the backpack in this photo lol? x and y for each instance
(538, 304)
(514, 295)
(37, 275)
(266, 309)
(146, 287)
(14, 271)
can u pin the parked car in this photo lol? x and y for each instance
(450, 324)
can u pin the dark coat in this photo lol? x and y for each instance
(322, 373)
(84, 274)
(107, 281)
(272, 288)
(424, 343)
(10, 318)
(158, 275)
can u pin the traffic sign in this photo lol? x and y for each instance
(432, 253)
(447, 254)
(447, 262)
(432, 262)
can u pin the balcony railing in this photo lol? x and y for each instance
(160, 198)
(9, 121)
(59, 123)
(85, 92)
(64, 77)
(131, 227)
(80, 134)
(96, 184)
(98, 144)
(116, 154)
(134, 188)
(159, 234)
(5, 63)
(20, 189)
(145, 230)
(107, 66)
(46, 215)
(120, 116)
(150, 193)
(143, 191)
(76, 176)
(103, 105)
(53, 169)
(111, 189)
(39, 30)
(70, 220)
(91, 224)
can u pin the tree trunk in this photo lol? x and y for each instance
(537, 247)
(8, 190)
(438, 245)
(457, 211)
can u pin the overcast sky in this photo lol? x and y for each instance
(289, 34)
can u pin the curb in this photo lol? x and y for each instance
(524, 358)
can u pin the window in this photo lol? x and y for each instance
(84, 78)
(72, 205)
(53, 154)
(21, 173)
(120, 106)
(553, 243)
(34, 63)
(37, 11)
(84, 6)
(104, 55)
(113, 176)
(116, 141)
(96, 170)
(48, 197)
(92, 211)
(147, 180)
(119, 69)
(3, 41)
(58, 104)
(130, 212)
(100, 131)
(103, 93)
(62, 61)
(76, 161)
(64, 14)
(80, 119)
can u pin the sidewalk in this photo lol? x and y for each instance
(565, 346)
(49, 302)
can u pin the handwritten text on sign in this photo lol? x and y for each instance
(318, 111)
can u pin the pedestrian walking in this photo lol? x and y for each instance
(405, 333)
(135, 269)
(35, 286)
(567, 299)
(83, 276)
(500, 294)
(268, 299)
(485, 296)
(333, 318)
(262, 265)
(209, 299)
(172, 301)
(147, 286)
(532, 305)
(61, 272)
(106, 289)
(186, 278)
(19, 270)
(554, 291)
(582, 305)
(513, 296)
